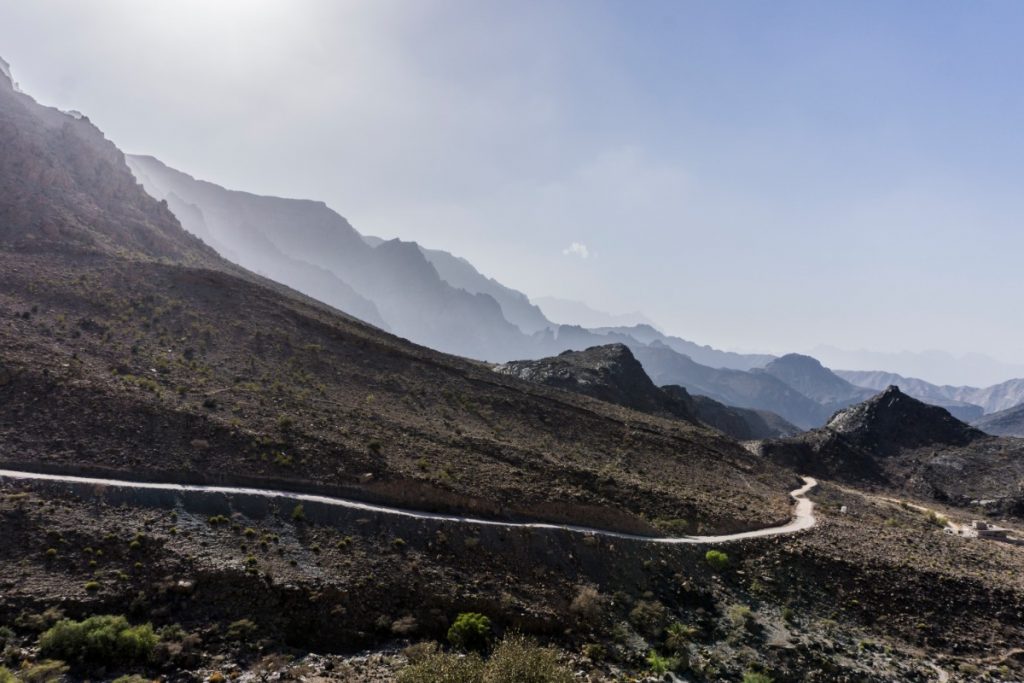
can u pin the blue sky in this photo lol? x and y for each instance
(753, 175)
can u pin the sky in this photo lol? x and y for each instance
(754, 175)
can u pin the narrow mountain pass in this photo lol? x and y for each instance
(803, 513)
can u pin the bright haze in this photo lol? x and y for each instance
(757, 176)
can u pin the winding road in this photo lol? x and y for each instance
(803, 514)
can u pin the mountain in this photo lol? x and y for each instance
(904, 444)
(991, 399)
(608, 373)
(808, 376)
(515, 306)
(64, 186)
(755, 390)
(310, 247)
(128, 346)
(568, 312)
(611, 373)
(1009, 422)
(939, 367)
(705, 355)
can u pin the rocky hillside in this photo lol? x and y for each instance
(611, 373)
(896, 441)
(608, 373)
(1008, 422)
(699, 353)
(156, 358)
(65, 187)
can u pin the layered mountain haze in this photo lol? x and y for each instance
(813, 380)
(965, 400)
(310, 247)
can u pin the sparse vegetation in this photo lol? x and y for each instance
(717, 559)
(99, 640)
(470, 631)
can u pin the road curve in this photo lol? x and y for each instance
(803, 514)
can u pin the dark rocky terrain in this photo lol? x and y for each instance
(898, 442)
(130, 348)
(611, 373)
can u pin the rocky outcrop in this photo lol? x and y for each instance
(611, 373)
(608, 373)
(898, 442)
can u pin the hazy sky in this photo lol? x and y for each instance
(754, 175)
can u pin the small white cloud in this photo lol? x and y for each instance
(577, 249)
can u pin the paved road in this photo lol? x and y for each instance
(803, 514)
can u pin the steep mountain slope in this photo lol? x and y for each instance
(756, 390)
(515, 306)
(1008, 422)
(404, 288)
(897, 441)
(705, 355)
(810, 378)
(63, 186)
(124, 358)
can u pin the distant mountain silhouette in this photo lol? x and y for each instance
(755, 390)
(961, 399)
(1009, 422)
(705, 355)
(516, 307)
(813, 380)
(568, 312)
(310, 247)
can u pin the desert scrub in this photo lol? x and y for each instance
(520, 660)
(444, 668)
(659, 664)
(46, 671)
(471, 631)
(100, 640)
(298, 513)
(757, 677)
(716, 559)
(649, 617)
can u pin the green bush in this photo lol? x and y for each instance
(717, 559)
(102, 640)
(299, 513)
(520, 660)
(6, 676)
(755, 677)
(660, 664)
(471, 631)
(444, 668)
